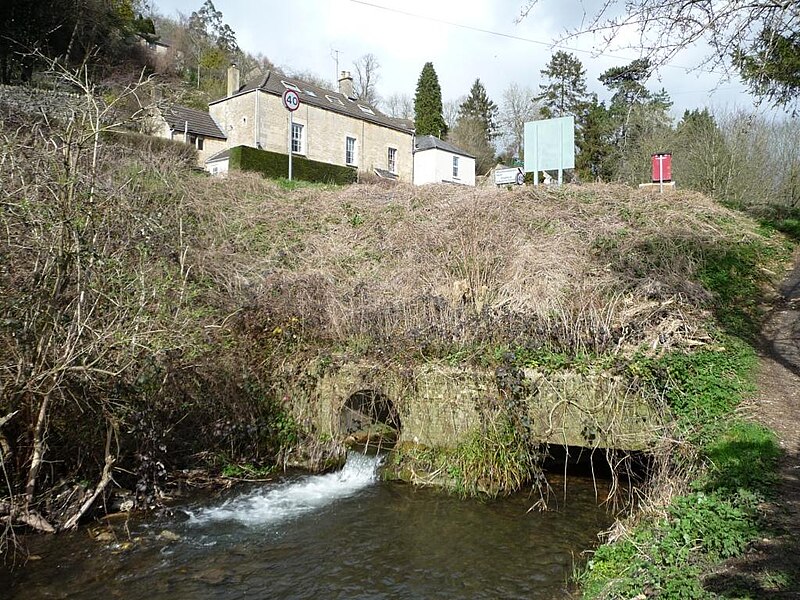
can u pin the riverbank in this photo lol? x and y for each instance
(730, 530)
(156, 320)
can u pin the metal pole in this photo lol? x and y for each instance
(291, 126)
(661, 174)
(536, 156)
(561, 155)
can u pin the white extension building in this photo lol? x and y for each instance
(437, 161)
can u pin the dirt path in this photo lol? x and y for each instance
(772, 568)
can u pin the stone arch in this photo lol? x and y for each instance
(368, 414)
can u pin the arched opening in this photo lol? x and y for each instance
(369, 418)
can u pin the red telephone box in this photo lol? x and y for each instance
(662, 167)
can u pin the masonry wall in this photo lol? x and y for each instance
(441, 406)
(236, 117)
(324, 132)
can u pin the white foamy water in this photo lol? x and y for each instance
(287, 500)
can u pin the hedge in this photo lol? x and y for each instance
(275, 165)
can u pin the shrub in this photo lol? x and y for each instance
(275, 165)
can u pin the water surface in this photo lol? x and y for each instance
(340, 535)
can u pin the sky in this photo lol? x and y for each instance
(309, 35)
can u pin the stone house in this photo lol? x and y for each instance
(329, 126)
(191, 126)
(437, 161)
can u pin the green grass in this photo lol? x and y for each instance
(718, 518)
(667, 558)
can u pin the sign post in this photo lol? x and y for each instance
(291, 100)
(512, 176)
(550, 146)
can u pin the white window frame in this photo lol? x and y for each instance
(352, 159)
(391, 160)
(455, 167)
(299, 140)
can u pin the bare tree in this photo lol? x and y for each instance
(516, 109)
(69, 240)
(367, 78)
(399, 106)
(757, 37)
(450, 111)
(312, 78)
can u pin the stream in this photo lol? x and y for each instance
(339, 535)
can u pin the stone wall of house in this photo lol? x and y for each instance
(236, 117)
(324, 132)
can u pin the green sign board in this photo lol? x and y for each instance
(550, 145)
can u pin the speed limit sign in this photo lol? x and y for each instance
(291, 100)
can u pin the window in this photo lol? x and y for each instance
(350, 150)
(334, 100)
(290, 86)
(297, 138)
(196, 141)
(366, 109)
(310, 93)
(392, 162)
(455, 167)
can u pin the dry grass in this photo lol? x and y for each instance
(579, 268)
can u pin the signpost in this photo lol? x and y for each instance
(291, 100)
(550, 146)
(509, 176)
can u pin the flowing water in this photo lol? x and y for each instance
(340, 535)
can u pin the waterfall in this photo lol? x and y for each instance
(292, 498)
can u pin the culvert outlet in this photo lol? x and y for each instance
(369, 418)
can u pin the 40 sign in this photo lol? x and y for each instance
(291, 100)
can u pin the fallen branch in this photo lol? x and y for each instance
(31, 518)
(105, 479)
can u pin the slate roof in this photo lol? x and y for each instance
(384, 174)
(276, 84)
(221, 155)
(199, 122)
(429, 142)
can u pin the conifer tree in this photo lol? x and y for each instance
(428, 104)
(565, 93)
(593, 139)
(479, 107)
(476, 127)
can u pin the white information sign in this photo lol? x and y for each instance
(513, 176)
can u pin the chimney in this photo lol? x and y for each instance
(233, 79)
(346, 85)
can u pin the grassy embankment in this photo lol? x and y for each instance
(149, 313)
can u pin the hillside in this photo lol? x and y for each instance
(151, 316)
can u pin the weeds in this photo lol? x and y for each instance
(717, 516)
